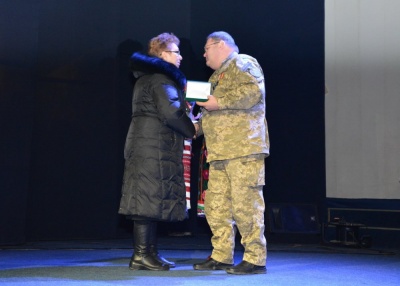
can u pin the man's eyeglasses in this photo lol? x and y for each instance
(175, 52)
(206, 47)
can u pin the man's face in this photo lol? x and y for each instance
(211, 53)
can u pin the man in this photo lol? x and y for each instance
(236, 134)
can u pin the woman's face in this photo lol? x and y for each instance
(172, 55)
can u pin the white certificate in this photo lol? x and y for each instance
(197, 90)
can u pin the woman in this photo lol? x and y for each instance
(153, 186)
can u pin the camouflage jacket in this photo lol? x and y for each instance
(238, 128)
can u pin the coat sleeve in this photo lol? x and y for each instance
(171, 108)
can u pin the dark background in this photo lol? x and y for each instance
(66, 102)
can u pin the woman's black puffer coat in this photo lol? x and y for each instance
(153, 183)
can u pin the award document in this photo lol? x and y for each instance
(197, 90)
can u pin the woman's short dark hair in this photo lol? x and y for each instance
(160, 43)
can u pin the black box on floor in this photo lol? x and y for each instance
(293, 218)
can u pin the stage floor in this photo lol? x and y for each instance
(105, 262)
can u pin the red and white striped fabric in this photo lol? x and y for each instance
(187, 155)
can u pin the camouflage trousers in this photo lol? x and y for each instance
(234, 198)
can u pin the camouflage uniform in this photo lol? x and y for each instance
(237, 142)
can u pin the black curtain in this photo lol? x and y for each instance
(66, 99)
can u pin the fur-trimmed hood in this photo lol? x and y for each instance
(144, 64)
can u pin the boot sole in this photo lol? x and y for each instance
(133, 266)
(199, 268)
(262, 271)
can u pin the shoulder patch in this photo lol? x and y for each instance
(252, 69)
(256, 72)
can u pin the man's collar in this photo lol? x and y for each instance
(231, 56)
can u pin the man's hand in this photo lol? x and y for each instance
(211, 104)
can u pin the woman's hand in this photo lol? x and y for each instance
(196, 127)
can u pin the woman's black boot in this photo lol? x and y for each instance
(153, 246)
(142, 258)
